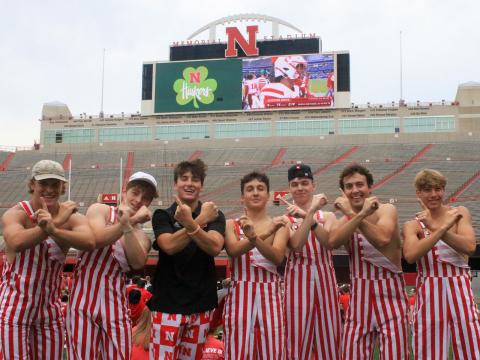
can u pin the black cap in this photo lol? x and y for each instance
(300, 171)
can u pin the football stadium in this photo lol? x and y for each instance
(223, 102)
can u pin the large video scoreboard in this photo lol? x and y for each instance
(245, 75)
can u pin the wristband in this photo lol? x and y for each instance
(314, 226)
(194, 232)
(252, 239)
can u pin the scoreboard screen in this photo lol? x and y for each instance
(247, 84)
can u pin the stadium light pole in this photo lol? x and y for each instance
(121, 182)
(401, 70)
(103, 83)
(166, 181)
(69, 178)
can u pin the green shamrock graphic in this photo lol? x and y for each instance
(195, 86)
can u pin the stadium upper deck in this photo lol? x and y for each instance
(459, 117)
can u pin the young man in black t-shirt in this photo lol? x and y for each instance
(188, 235)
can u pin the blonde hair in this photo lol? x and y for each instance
(428, 178)
(141, 332)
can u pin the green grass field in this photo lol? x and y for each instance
(318, 85)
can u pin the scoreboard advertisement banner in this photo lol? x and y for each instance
(292, 81)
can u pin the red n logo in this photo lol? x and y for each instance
(194, 77)
(249, 47)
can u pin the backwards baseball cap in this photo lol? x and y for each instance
(142, 176)
(300, 171)
(48, 169)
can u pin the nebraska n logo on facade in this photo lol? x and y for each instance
(234, 36)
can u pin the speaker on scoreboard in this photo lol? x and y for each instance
(147, 81)
(343, 72)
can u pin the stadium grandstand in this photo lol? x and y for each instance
(393, 140)
(446, 138)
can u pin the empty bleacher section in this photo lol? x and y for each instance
(470, 198)
(94, 173)
(13, 181)
(456, 161)
(464, 187)
(472, 193)
(96, 170)
(322, 159)
(402, 168)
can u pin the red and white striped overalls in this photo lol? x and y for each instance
(98, 323)
(254, 322)
(445, 307)
(378, 305)
(31, 320)
(312, 311)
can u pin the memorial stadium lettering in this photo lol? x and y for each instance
(264, 38)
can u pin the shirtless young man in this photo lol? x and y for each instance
(378, 303)
(98, 323)
(311, 299)
(439, 240)
(254, 322)
(38, 234)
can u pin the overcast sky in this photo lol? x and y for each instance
(52, 50)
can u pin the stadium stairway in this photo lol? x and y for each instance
(338, 160)
(6, 161)
(276, 160)
(464, 187)
(195, 155)
(402, 168)
(67, 161)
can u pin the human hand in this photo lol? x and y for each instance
(277, 223)
(141, 216)
(292, 209)
(124, 213)
(183, 214)
(208, 212)
(44, 218)
(343, 204)
(65, 210)
(370, 205)
(247, 225)
(318, 202)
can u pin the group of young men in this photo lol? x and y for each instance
(261, 320)
(38, 234)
